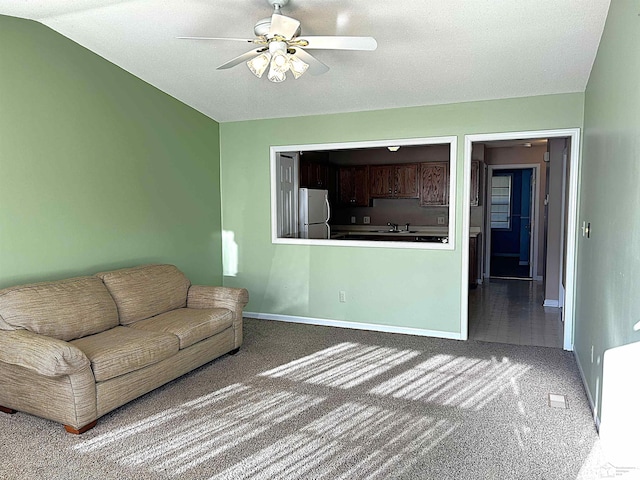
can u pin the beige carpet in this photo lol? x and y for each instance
(316, 402)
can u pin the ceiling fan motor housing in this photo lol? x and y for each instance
(262, 27)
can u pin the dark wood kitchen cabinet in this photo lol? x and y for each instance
(380, 181)
(406, 177)
(393, 181)
(314, 174)
(353, 185)
(434, 184)
(474, 260)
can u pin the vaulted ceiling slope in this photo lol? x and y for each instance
(429, 51)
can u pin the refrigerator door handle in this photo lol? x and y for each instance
(326, 199)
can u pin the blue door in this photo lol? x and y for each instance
(511, 222)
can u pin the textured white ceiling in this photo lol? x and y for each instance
(429, 51)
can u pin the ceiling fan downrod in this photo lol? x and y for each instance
(277, 5)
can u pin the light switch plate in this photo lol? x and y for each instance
(353, 219)
(366, 220)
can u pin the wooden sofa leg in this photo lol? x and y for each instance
(234, 351)
(7, 410)
(80, 430)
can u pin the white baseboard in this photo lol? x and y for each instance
(551, 303)
(354, 325)
(592, 404)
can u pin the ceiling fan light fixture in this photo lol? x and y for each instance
(275, 75)
(259, 64)
(279, 61)
(297, 66)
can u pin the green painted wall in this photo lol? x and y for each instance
(608, 303)
(97, 168)
(410, 288)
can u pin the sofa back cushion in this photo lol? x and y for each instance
(66, 309)
(146, 291)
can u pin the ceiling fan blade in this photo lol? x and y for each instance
(340, 43)
(241, 58)
(283, 26)
(316, 67)
(218, 38)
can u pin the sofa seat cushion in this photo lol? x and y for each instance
(190, 325)
(122, 350)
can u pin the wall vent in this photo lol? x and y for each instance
(557, 401)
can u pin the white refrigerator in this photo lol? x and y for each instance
(314, 213)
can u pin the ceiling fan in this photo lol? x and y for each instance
(281, 48)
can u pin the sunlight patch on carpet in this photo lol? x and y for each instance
(345, 365)
(197, 431)
(352, 441)
(448, 380)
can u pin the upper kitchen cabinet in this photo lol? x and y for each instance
(380, 185)
(406, 178)
(315, 173)
(393, 181)
(434, 184)
(353, 185)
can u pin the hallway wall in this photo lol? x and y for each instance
(554, 262)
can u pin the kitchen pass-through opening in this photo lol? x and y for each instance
(392, 193)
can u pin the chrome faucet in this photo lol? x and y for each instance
(406, 227)
(394, 227)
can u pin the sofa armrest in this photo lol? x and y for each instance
(45, 355)
(203, 296)
(235, 299)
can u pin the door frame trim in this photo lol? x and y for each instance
(571, 236)
(533, 244)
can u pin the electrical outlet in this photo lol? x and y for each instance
(440, 220)
(343, 296)
(353, 219)
(366, 220)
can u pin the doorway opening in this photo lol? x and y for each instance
(510, 226)
(528, 226)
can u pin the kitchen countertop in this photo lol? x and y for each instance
(380, 230)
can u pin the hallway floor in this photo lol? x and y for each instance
(508, 267)
(511, 311)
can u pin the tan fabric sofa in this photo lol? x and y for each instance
(75, 349)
